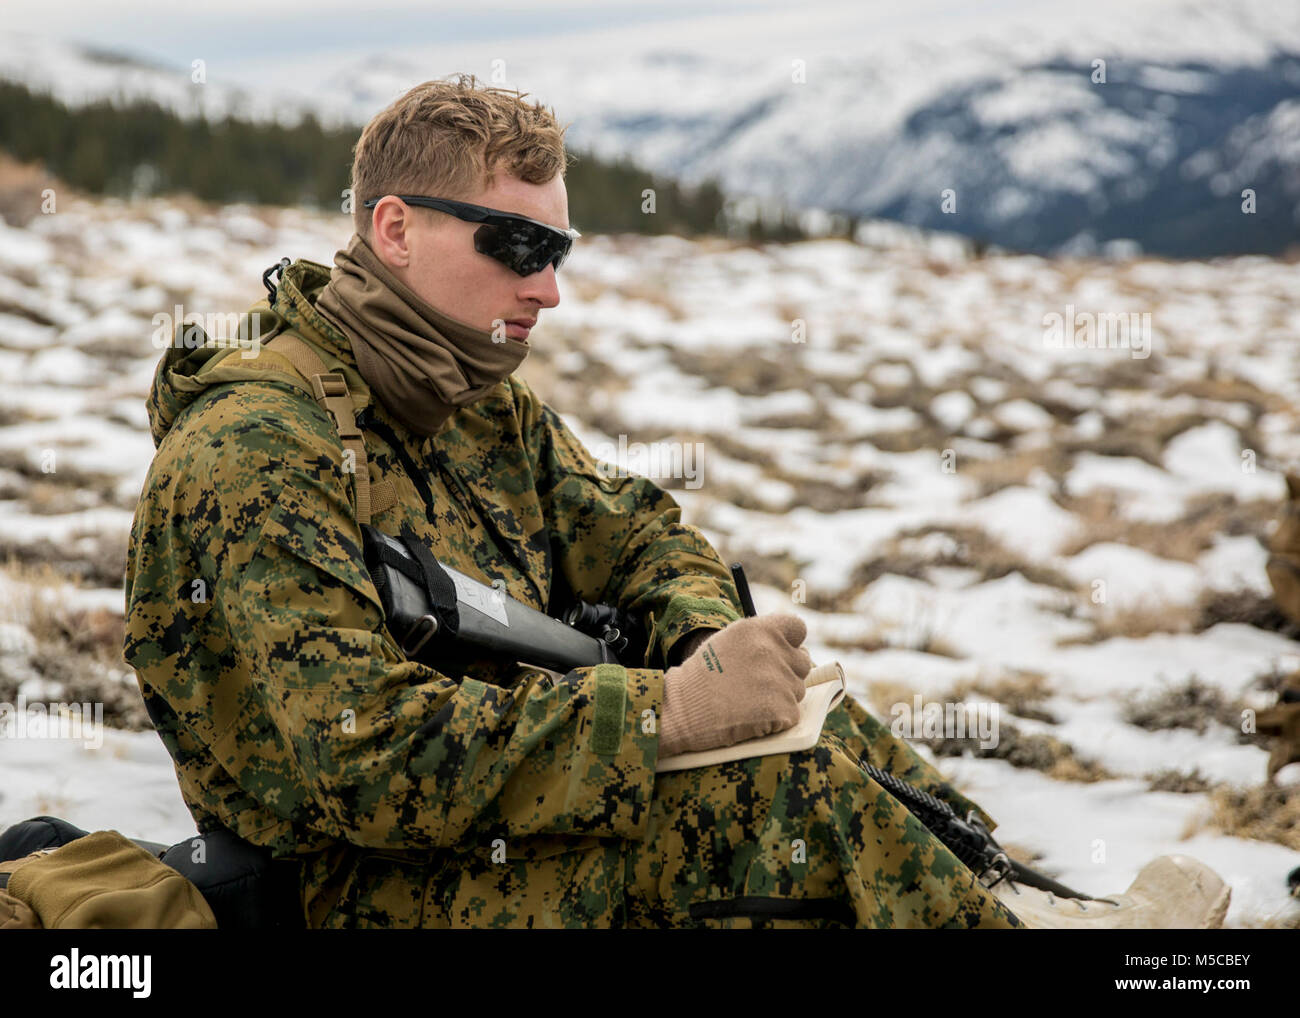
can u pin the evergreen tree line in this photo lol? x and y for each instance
(139, 148)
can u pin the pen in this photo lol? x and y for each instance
(742, 589)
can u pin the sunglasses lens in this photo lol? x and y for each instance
(522, 246)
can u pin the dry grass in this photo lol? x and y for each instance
(649, 292)
(883, 694)
(1114, 374)
(79, 651)
(807, 420)
(1135, 622)
(1230, 390)
(48, 617)
(836, 491)
(751, 374)
(67, 485)
(1190, 704)
(1069, 767)
(1044, 753)
(45, 499)
(825, 496)
(779, 571)
(1262, 812)
(925, 437)
(90, 559)
(868, 643)
(921, 635)
(1014, 468)
(569, 393)
(25, 311)
(970, 548)
(1142, 437)
(1172, 780)
(82, 679)
(929, 641)
(888, 393)
(1276, 680)
(1206, 518)
(1244, 607)
(1021, 692)
(1100, 521)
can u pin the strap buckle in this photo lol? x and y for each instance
(329, 385)
(420, 634)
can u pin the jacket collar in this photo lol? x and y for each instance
(295, 302)
(480, 423)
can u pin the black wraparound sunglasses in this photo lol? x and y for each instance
(520, 243)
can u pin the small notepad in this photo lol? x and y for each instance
(824, 688)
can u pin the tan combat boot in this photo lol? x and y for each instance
(1173, 892)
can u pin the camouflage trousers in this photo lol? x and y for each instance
(791, 840)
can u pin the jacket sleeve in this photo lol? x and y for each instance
(321, 719)
(621, 539)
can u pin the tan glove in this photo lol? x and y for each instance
(744, 682)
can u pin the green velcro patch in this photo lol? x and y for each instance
(680, 604)
(611, 709)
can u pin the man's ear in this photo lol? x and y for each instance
(390, 225)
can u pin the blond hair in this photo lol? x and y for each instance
(446, 139)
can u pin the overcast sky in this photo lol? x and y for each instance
(236, 30)
(279, 49)
(242, 33)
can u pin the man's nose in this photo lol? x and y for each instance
(542, 287)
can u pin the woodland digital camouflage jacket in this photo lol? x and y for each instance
(259, 641)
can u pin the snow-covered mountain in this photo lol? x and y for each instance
(1031, 130)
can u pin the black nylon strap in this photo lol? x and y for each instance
(394, 559)
(437, 584)
(366, 419)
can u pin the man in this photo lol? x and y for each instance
(492, 794)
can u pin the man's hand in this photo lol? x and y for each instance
(746, 681)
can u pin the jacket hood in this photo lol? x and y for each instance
(231, 348)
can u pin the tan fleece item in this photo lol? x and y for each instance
(745, 682)
(422, 364)
(103, 881)
(15, 915)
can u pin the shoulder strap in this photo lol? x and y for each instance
(331, 391)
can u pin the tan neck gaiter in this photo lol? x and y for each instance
(421, 364)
